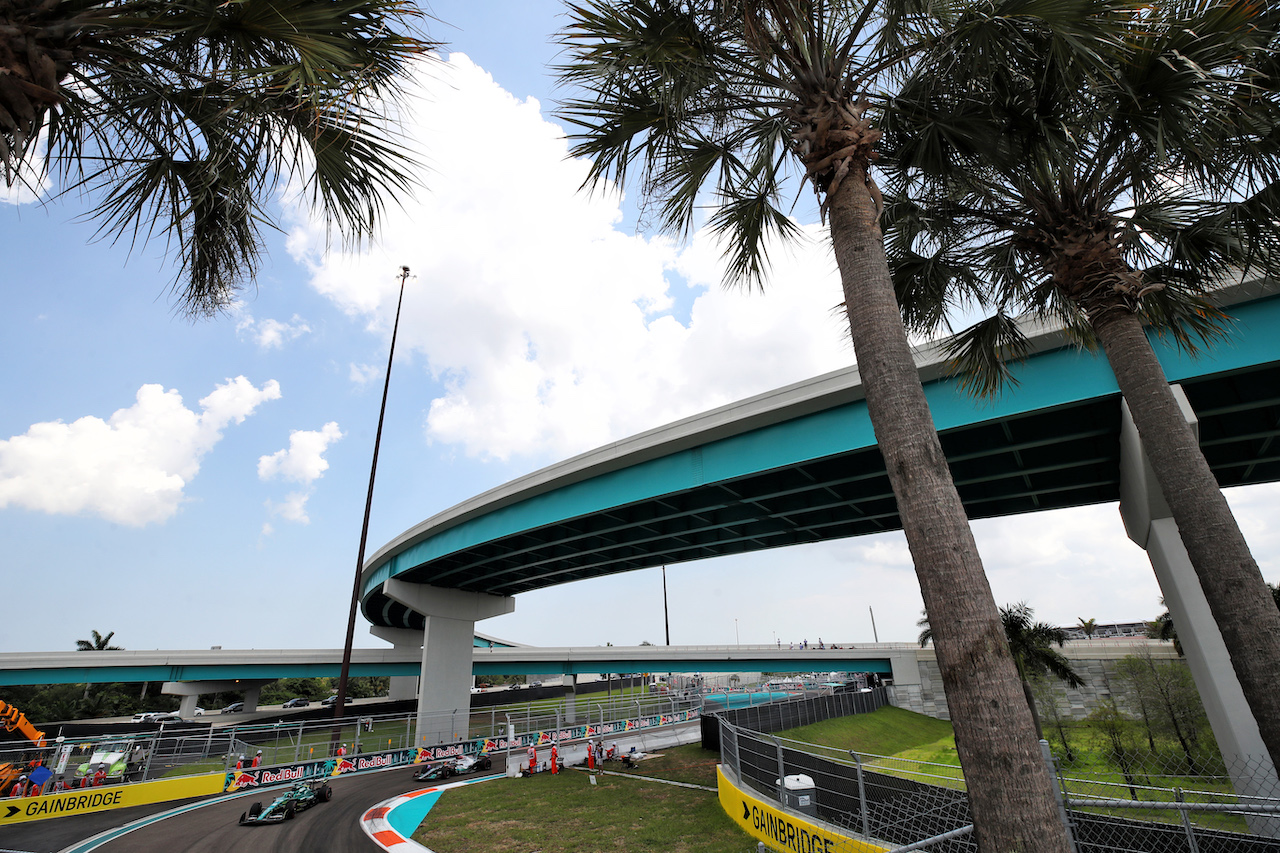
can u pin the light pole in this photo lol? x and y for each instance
(736, 638)
(339, 705)
(666, 619)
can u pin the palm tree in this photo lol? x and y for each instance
(181, 119)
(736, 102)
(1162, 628)
(1119, 200)
(1031, 645)
(99, 643)
(1088, 626)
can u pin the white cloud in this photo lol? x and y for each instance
(271, 334)
(302, 462)
(363, 374)
(552, 330)
(294, 507)
(131, 468)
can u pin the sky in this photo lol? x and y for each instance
(191, 484)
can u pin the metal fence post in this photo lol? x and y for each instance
(1052, 767)
(1186, 822)
(146, 771)
(862, 795)
(782, 772)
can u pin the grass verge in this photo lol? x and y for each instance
(567, 814)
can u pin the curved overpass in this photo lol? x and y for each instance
(800, 464)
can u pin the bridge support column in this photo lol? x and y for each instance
(191, 691)
(570, 699)
(1149, 523)
(402, 686)
(448, 643)
(908, 690)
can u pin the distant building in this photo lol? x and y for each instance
(1119, 629)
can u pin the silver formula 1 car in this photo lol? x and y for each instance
(456, 767)
(300, 797)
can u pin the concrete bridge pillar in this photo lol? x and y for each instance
(448, 643)
(570, 698)
(1149, 523)
(191, 691)
(402, 686)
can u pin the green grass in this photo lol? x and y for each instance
(886, 731)
(690, 763)
(915, 743)
(567, 814)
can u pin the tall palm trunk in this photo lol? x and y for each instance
(1010, 790)
(1238, 597)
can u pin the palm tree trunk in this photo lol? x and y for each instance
(1010, 790)
(1237, 595)
(1031, 705)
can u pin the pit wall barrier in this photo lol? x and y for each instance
(783, 830)
(85, 800)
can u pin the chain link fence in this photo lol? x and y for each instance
(1155, 803)
(190, 748)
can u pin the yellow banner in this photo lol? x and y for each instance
(84, 800)
(783, 830)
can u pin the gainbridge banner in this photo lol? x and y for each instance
(85, 800)
(783, 830)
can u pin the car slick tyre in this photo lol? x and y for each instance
(255, 809)
(325, 794)
(288, 812)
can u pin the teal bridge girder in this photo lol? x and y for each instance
(800, 465)
(260, 665)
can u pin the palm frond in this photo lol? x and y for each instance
(981, 354)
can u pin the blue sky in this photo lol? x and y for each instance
(194, 484)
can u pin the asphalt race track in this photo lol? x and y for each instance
(332, 826)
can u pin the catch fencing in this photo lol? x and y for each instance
(191, 748)
(900, 805)
(780, 716)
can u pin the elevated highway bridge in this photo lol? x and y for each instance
(800, 464)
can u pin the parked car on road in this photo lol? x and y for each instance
(296, 702)
(329, 701)
(234, 708)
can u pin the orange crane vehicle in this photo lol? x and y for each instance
(14, 720)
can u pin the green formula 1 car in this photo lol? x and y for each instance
(300, 797)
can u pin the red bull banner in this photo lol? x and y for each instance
(258, 777)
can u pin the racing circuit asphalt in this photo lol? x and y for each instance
(331, 826)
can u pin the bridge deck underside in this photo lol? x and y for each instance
(1048, 459)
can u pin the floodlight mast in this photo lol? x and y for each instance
(340, 704)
